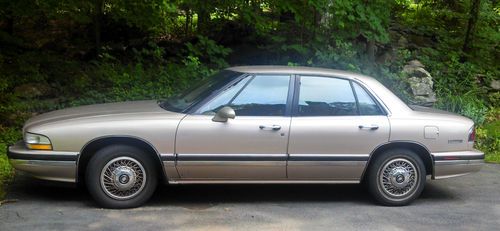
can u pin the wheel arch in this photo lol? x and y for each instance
(416, 147)
(91, 147)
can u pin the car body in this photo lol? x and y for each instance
(252, 124)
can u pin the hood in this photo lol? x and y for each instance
(97, 110)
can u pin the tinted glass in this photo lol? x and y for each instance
(223, 98)
(204, 88)
(323, 96)
(263, 96)
(366, 104)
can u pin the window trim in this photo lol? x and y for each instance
(375, 99)
(295, 104)
(194, 108)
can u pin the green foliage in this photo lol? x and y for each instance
(7, 136)
(60, 53)
(351, 19)
(488, 136)
(340, 55)
(211, 53)
(6, 171)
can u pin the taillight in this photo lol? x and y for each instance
(472, 134)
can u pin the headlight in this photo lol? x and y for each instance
(37, 142)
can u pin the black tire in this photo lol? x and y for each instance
(142, 183)
(380, 187)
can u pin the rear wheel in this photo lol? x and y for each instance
(121, 176)
(396, 177)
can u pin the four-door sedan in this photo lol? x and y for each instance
(254, 124)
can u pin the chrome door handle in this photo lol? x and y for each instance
(371, 127)
(270, 128)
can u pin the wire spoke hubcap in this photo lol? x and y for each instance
(123, 178)
(398, 177)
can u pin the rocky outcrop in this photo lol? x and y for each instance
(421, 83)
(495, 84)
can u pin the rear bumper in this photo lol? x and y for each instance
(451, 164)
(47, 165)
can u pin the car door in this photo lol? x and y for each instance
(252, 146)
(335, 126)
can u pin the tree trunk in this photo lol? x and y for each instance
(203, 20)
(370, 50)
(471, 25)
(98, 12)
(10, 25)
(9, 18)
(188, 22)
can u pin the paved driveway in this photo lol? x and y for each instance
(467, 203)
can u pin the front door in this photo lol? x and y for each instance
(252, 146)
(336, 125)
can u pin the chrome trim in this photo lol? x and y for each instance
(231, 163)
(374, 95)
(460, 155)
(328, 157)
(167, 157)
(453, 164)
(450, 162)
(327, 163)
(216, 181)
(230, 157)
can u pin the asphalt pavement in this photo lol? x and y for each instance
(470, 202)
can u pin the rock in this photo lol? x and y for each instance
(402, 42)
(427, 101)
(421, 86)
(495, 84)
(420, 82)
(33, 90)
(415, 71)
(416, 63)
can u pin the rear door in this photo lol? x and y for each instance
(252, 146)
(335, 126)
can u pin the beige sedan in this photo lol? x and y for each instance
(254, 124)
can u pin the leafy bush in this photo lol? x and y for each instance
(7, 136)
(488, 136)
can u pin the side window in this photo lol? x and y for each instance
(366, 104)
(223, 98)
(265, 95)
(324, 96)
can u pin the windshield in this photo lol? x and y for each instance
(207, 86)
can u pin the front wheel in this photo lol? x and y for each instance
(396, 177)
(121, 176)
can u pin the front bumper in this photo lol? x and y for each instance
(451, 164)
(47, 165)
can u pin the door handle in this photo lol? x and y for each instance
(270, 128)
(371, 127)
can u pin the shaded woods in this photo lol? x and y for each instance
(60, 53)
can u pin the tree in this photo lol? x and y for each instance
(471, 26)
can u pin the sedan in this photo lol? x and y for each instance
(252, 125)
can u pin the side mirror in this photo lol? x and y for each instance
(223, 114)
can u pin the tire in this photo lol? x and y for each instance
(133, 177)
(396, 177)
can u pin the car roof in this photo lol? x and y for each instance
(298, 70)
